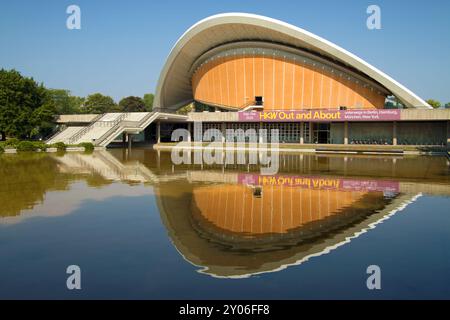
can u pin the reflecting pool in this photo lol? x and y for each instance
(140, 227)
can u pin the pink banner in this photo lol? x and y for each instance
(321, 183)
(321, 115)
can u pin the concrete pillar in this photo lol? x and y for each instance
(394, 133)
(158, 159)
(224, 131)
(260, 137)
(311, 133)
(345, 165)
(124, 139)
(448, 134)
(158, 132)
(190, 130)
(346, 132)
(129, 140)
(302, 127)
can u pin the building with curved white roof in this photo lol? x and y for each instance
(259, 73)
(228, 59)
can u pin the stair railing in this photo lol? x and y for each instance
(81, 133)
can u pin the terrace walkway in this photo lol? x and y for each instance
(103, 129)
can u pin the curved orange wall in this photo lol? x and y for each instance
(280, 209)
(285, 85)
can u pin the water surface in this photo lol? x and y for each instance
(140, 227)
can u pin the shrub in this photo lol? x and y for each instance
(40, 145)
(26, 146)
(11, 143)
(88, 146)
(61, 146)
(1, 150)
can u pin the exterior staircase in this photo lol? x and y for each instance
(122, 126)
(82, 132)
(106, 127)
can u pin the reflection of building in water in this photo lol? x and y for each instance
(48, 185)
(228, 231)
(106, 166)
(227, 221)
(279, 209)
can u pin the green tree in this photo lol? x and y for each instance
(98, 103)
(26, 109)
(64, 102)
(447, 105)
(43, 119)
(186, 109)
(434, 103)
(148, 100)
(132, 104)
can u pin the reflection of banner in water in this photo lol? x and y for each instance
(321, 115)
(320, 183)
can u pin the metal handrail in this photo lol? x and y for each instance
(81, 133)
(115, 124)
(143, 120)
(60, 129)
(107, 123)
(247, 104)
(106, 135)
(123, 124)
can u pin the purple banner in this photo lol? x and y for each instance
(321, 183)
(321, 115)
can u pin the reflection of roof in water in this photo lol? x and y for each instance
(252, 211)
(219, 248)
(219, 251)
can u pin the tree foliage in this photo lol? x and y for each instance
(186, 109)
(132, 104)
(148, 100)
(98, 103)
(26, 108)
(434, 103)
(65, 103)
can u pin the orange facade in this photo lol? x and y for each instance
(234, 81)
(280, 209)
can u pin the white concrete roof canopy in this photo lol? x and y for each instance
(174, 85)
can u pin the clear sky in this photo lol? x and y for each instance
(122, 45)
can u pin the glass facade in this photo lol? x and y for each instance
(249, 132)
(363, 133)
(321, 133)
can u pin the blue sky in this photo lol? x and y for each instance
(122, 45)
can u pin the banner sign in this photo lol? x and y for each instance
(320, 183)
(321, 115)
